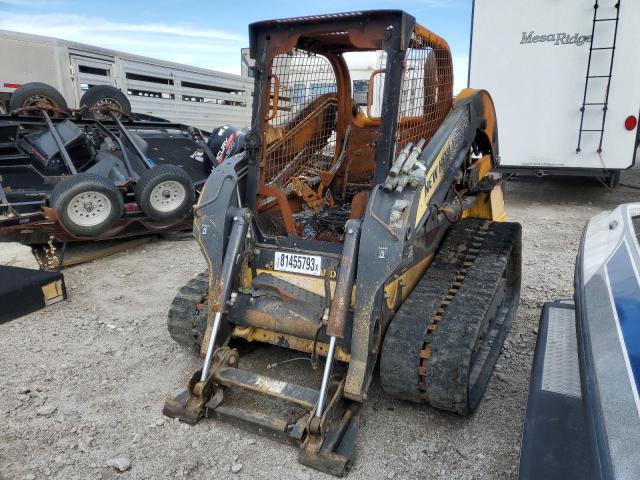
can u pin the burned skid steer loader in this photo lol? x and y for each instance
(359, 228)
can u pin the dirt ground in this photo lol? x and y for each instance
(84, 381)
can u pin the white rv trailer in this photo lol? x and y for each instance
(180, 93)
(564, 76)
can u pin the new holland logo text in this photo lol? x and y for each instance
(559, 38)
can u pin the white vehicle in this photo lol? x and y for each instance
(364, 68)
(179, 93)
(564, 77)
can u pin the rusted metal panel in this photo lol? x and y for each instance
(233, 377)
(272, 314)
(277, 305)
(342, 296)
(268, 425)
(312, 347)
(331, 441)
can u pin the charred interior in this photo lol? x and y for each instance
(318, 156)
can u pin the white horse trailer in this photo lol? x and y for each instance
(180, 93)
(565, 80)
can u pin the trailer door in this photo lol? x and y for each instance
(88, 71)
(563, 84)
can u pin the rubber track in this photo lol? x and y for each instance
(440, 325)
(185, 321)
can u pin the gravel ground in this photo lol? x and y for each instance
(83, 382)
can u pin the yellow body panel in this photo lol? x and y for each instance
(431, 183)
(251, 334)
(408, 280)
(53, 292)
(491, 208)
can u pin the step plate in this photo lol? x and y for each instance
(554, 440)
(560, 373)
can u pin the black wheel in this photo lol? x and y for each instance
(105, 97)
(165, 192)
(37, 93)
(87, 205)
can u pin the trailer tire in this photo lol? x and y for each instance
(105, 96)
(613, 179)
(87, 205)
(32, 93)
(165, 193)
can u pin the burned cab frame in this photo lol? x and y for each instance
(358, 233)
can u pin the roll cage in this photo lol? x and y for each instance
(305, 122)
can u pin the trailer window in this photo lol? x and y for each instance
(366, 70)
(86, 86)
(149, 78)
(151, 94)
(212, 88)
(216, 101)
(93, 70)
(318, 89)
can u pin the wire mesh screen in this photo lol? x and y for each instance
(301, 132)
(426, 93)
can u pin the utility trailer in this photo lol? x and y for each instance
(182, 94)
(67, 177)
(564, 79)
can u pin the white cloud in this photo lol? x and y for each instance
(208, 48)
(72, 24)
(205, 48)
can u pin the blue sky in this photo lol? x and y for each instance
(209, 34)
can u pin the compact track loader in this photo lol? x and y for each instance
(358, 228)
